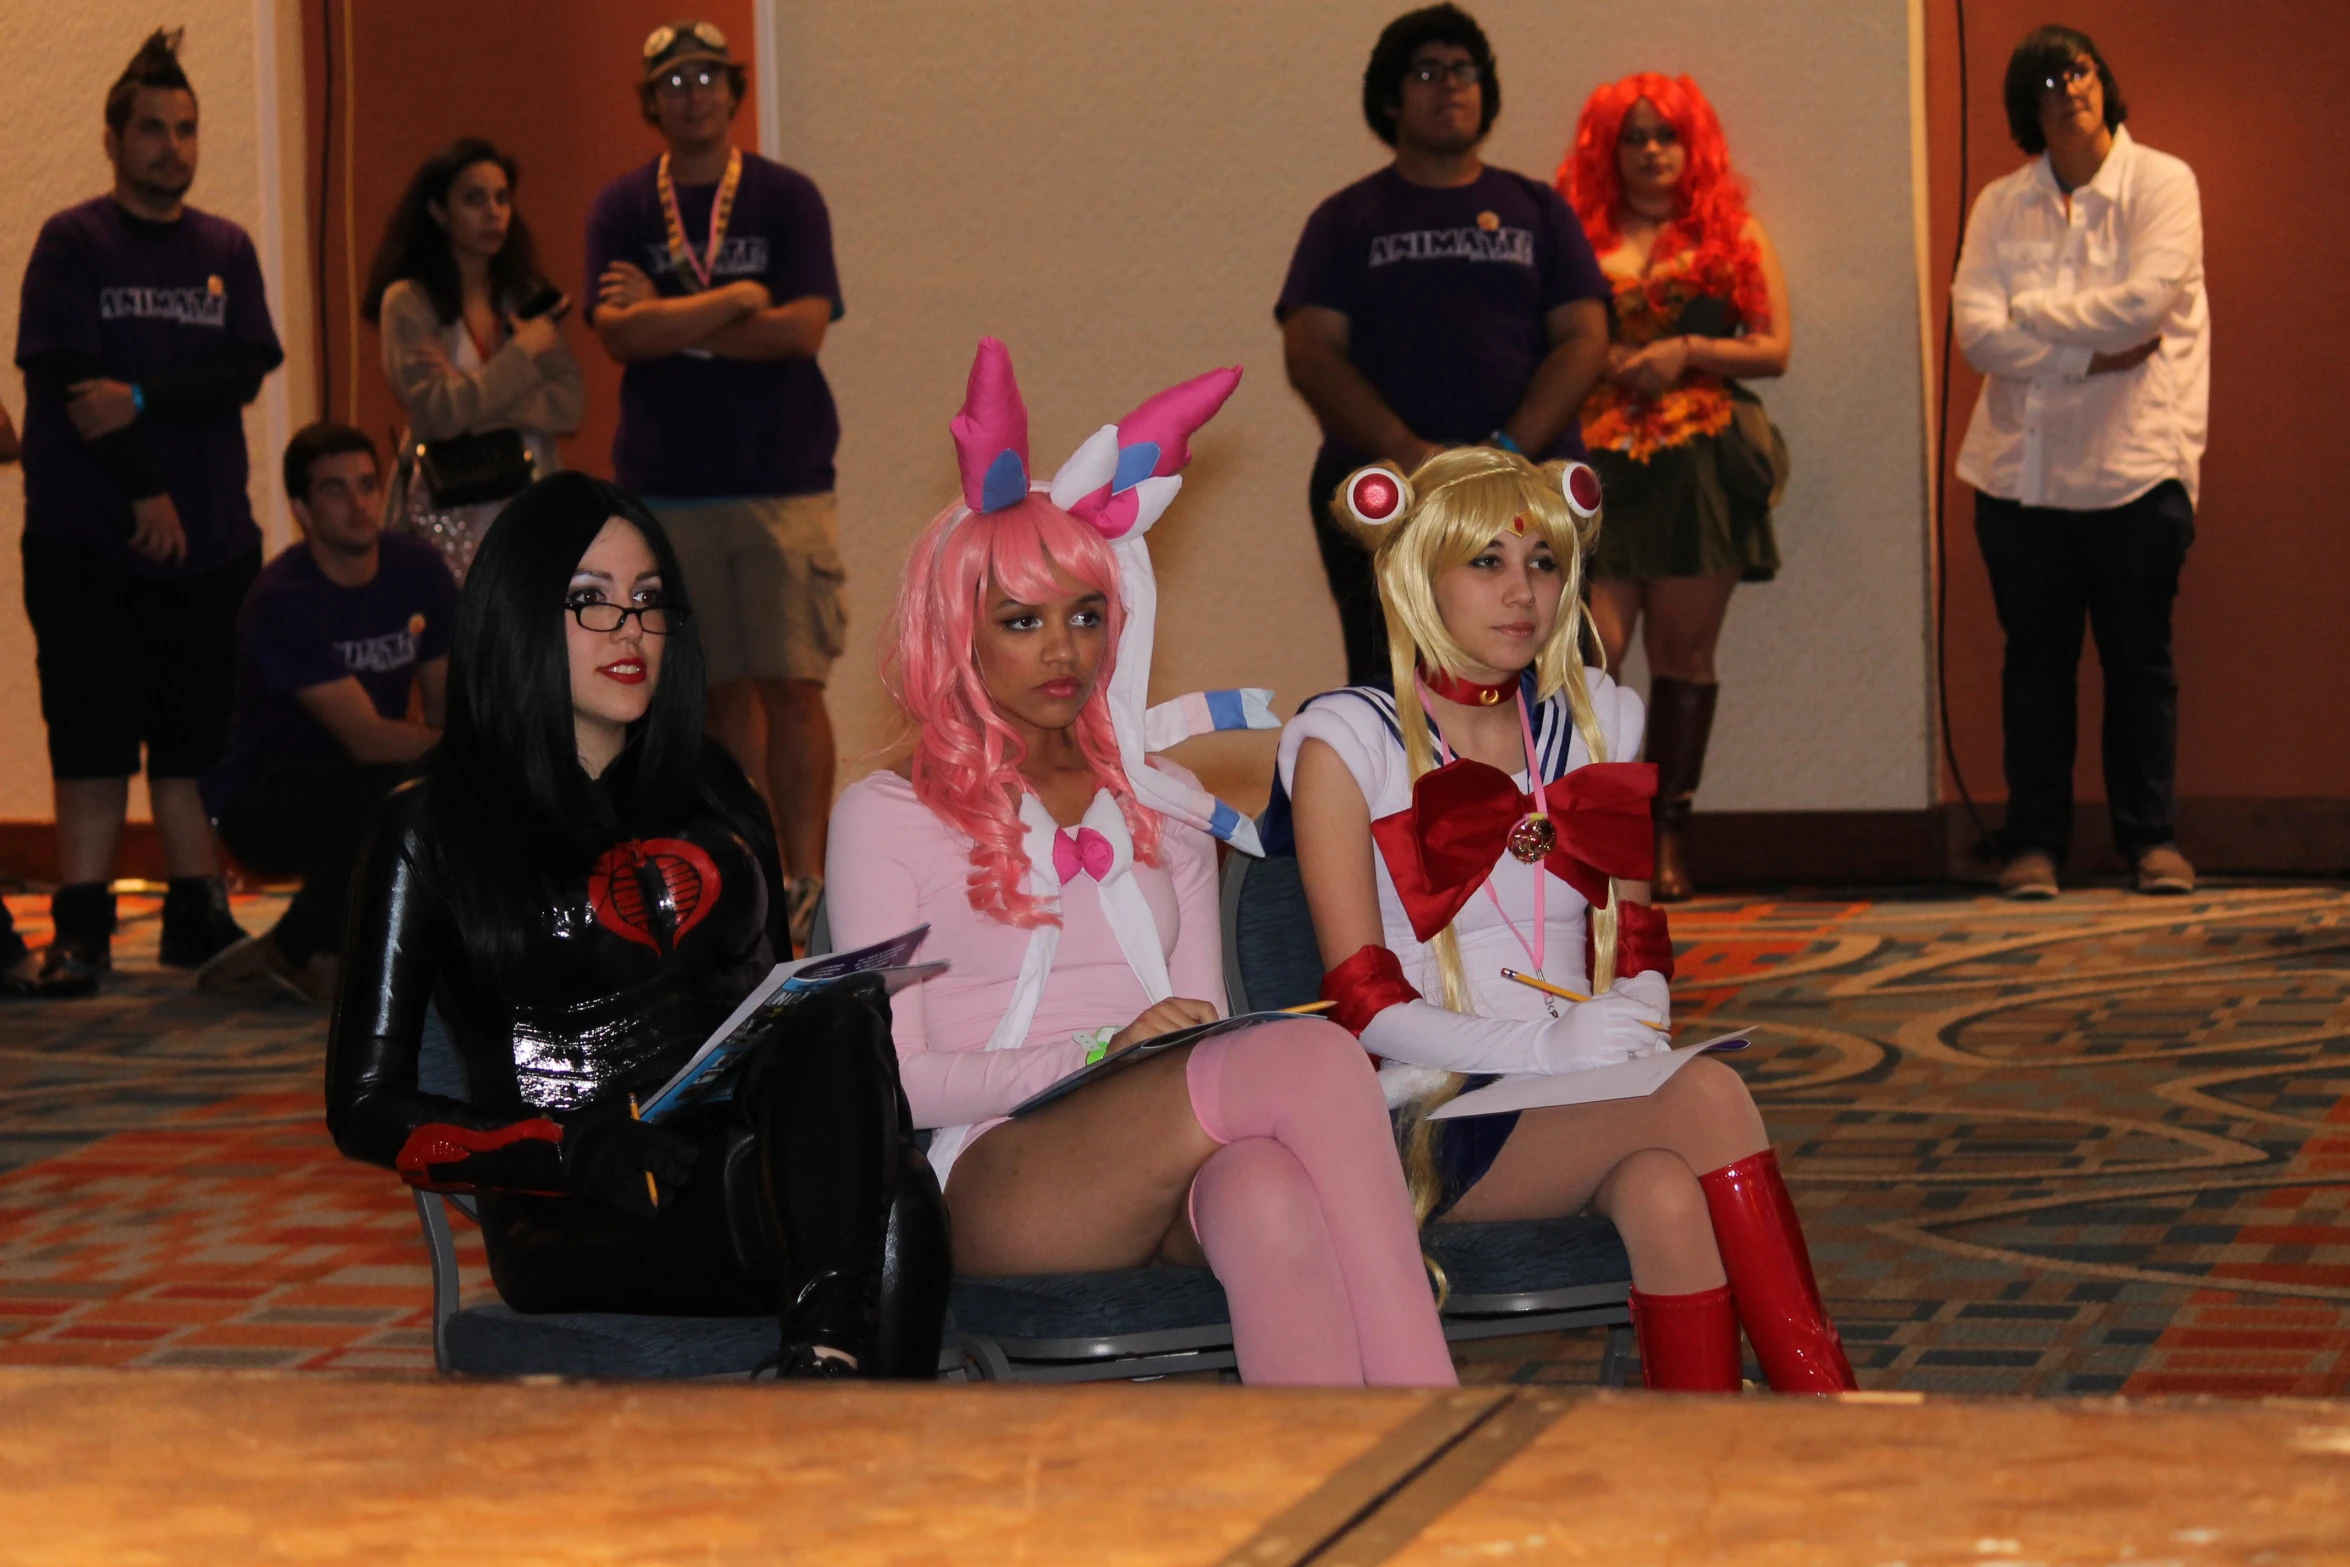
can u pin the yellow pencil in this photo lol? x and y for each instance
(1560, 991)
(652, 1189)
(1312, 1006)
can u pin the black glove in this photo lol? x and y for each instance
(626, 1164)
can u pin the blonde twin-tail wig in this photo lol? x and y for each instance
(1457, 503)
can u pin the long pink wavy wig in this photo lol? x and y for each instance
(966, 759)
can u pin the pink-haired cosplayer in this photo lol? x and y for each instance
(1071, 882)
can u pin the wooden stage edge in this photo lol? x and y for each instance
(115, 1467)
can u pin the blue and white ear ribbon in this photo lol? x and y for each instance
(1140, 728)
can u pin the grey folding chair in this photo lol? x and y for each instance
(1516, 1276)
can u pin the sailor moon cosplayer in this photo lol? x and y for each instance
(585, 888)
(1478, 824)
(1072, 886)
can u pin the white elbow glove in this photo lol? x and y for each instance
(1599, 1032)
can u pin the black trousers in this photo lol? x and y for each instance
(306, 818)
(2117, 570)
(809, 1200)
(1361, 622)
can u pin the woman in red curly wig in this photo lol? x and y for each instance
(1700, 305)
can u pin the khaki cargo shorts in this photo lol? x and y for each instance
(768, 587)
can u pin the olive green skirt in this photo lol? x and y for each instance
(1672, 516)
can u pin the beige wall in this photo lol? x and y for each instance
(250, 92)
(1115, 189)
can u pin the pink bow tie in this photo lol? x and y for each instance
(1083, 850)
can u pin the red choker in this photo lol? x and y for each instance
(1467, 692)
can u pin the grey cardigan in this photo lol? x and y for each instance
(511, 390)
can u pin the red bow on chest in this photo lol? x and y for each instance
(1440, 849)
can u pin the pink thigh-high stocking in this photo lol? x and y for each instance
(1304, 1216)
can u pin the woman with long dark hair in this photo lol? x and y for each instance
(1690, 463)
(585, 888)
(471, 346)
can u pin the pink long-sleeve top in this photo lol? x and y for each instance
(892, 864)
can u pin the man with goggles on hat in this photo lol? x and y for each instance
(712, 280)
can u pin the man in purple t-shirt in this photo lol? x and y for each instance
(142, 333)
(337, 634)
(1440, 302)
(711, 271)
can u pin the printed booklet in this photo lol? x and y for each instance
(1135, 1055)
(709, 1077)
(1633, 1079)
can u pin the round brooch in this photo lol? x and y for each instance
(1532, 840)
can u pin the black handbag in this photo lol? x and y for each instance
(1752, 452)
(465, 470)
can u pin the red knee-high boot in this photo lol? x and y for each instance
(1761, 1242)
(1688, 1343)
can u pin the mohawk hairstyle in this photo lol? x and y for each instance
(155, 66)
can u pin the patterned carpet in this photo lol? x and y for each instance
(2095, 1146)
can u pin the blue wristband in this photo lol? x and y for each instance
(1498, 438)
(138, 398)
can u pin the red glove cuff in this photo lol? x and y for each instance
(1364, 986)
(435, 1155)
(1644, 943)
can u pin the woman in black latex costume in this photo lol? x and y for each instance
(586, 888)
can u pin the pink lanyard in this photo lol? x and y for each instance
(1541, 791)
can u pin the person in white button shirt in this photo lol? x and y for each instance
(2080, 298)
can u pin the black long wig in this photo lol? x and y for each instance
(511, 811)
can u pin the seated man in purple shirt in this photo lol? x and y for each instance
(1439, 302)
(142, 334)
(335, 636)
(712, 278)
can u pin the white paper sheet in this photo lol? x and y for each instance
(1627, 1080)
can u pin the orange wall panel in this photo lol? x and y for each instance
(2262, 651)
(554, 85)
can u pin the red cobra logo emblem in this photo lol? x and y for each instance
(653, 892)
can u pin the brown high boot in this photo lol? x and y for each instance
(1680, 721)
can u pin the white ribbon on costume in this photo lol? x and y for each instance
(1093, 465)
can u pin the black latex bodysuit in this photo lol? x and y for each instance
(807, 1196)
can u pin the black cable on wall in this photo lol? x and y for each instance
(326, 174)
(1983, 847)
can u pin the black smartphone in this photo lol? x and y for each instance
(548, 301)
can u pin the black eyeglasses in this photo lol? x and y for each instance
(1461, 73)
(1654, 136)
(656, 620)
(2070, 77)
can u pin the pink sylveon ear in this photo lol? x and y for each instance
(1154, 442)
(991, 432)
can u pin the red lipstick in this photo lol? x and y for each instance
(628, 671)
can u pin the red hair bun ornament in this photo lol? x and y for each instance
(1374, 499)
(1580, 484)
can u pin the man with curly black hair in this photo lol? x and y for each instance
(1439, 302)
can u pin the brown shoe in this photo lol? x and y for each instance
(2030, 877)
(2163, 872)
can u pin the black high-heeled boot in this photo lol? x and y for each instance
(850, 1203)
